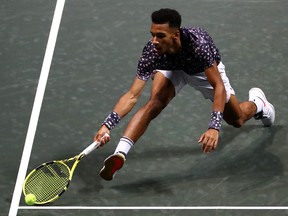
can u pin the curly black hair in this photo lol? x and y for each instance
(167, 15)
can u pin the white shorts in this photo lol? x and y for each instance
(199, 81)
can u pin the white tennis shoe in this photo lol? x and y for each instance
(267, 115)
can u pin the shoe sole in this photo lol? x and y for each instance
(264, 120)
(111, 165)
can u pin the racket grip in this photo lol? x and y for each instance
(90, 148)
(93, 146)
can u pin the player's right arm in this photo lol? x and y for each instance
(129, 99)
(124, 105)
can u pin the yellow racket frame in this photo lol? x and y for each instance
(62, 162)
(77, 159)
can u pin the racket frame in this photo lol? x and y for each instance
(77, 159)
(64, 162)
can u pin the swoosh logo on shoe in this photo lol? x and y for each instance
(262, 101)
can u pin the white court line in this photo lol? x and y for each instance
(37, 107)
(154, 207)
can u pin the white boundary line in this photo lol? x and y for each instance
(37, 106)
(155, 207)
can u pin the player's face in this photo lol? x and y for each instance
(164, 38)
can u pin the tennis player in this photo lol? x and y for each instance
(174, 57)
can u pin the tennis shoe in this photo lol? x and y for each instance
(111, 165)
(267, 115)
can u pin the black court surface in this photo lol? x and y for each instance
(94, 62)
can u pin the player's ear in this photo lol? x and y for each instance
(176, 35)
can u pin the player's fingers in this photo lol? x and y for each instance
(102, 142)
(209, 146)
(202, 142)
(105, 138)
(201, 138)
(205, 144)
(215, 144)
(95, 137)
(102, 138)
(208, 149)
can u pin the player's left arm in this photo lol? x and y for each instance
(216, 81)
(209, 139)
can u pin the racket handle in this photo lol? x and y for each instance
(90, 148)
(93, 146)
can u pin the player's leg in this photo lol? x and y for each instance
(236, 113)
(257, 106)
(162, 93)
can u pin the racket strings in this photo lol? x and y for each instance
(48, 181)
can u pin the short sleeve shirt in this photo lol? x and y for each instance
(197, 53)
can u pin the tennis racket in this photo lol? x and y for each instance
(51, 179)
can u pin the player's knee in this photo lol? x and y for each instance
(237, 123)
(154, 107)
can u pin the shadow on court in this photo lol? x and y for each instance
(252, 162)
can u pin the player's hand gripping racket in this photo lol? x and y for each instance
(50, 180)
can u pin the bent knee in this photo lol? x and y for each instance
(236, 123)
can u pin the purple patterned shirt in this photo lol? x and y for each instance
(197, 53)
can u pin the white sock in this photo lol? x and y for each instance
(259, 104)
(124, 145)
